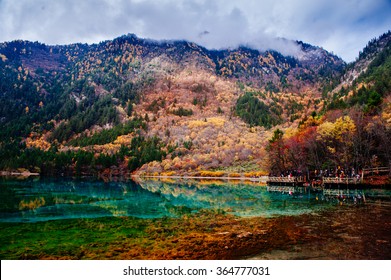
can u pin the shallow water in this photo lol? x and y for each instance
(34, 200)
(89, 219)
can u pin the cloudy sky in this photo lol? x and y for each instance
(341, 26)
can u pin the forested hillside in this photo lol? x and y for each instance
(353, 130)
(173, 107)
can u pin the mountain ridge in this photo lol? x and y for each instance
(196, 109)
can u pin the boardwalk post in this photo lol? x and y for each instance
(362, 175)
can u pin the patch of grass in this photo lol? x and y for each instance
(69, 239)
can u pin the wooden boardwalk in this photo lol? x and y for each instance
(339, 192)
(323, 182)
(343, 181)
(326, 182)
(339, 195)
(289, 190)
(285, 181)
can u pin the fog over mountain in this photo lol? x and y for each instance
(342, 27)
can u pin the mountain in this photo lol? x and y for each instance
(160, 107)
(365, 58)
(365, 81)
(352, 132)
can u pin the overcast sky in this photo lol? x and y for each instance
(341, 26)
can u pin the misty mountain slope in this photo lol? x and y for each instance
(194, 109)
(365, 58)
(366, 81)
(352, 131)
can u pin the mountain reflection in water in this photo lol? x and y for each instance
(35, 200)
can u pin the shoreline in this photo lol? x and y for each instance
(23, 174)
(262, 179)
(136, 177)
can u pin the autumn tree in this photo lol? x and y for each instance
(277, 152)
(302, 150)
(337, 139)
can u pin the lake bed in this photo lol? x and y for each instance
(184, 219)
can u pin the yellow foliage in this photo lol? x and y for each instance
(254, 174)
(168, 180)
(197, 123)
(326, 129)
(32, 204)
(123, 139)
(214, 121)
(206, 173)
(311, 121)
(168, 173)
(386, 115)
(234, 175)
(39, 143)
(289, 132)
(208, 182)
(339, 130)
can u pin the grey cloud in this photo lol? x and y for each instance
(343, 27)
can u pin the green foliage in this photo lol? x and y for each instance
(182, 112)
(129, 109)
(188, 144)
(108, 135)
(100, 112)
(270, 87)
(219, 110)
(293, 107)
(145, 150)
(78, 86)
(284, 82)
(156, 105)
(201, 101)
(241, 86)
(372, 46)
(293, 117)
(337, 103)
(47, 162)
(377, 77)
(277, 136)
(19, 91)
(255, 112)
(142, 150)
(106, 161)
(198, 88)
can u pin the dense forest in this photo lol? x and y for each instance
(175, 107)
(353, 132)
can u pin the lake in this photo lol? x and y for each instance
(34, 200)
(79, 212)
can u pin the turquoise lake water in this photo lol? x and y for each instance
(37, 199)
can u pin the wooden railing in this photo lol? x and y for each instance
(280, 189)
(333, 180)
(334, 192)
(376, 170)
(285, 179)
(290, 190)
